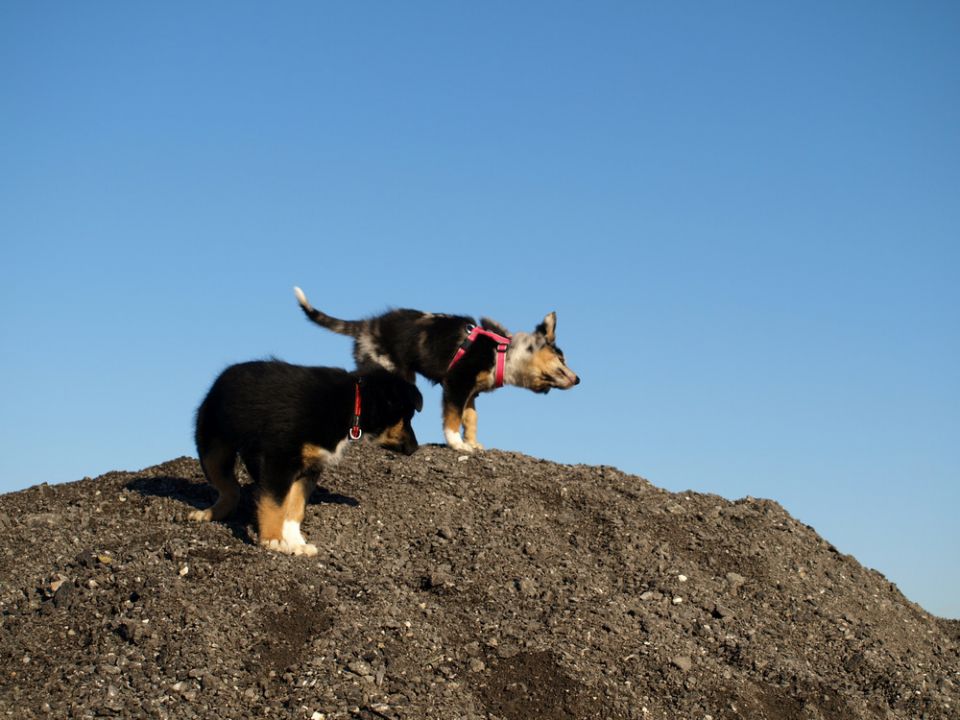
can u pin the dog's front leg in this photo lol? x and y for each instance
(279, 522)
(453, 417)
(470, 423)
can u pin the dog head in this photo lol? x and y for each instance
(533, 359)
(388, 404)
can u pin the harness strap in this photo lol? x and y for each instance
(355, 431)
(502, 343)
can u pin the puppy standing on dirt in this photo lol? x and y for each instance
(286, 422)
(454, 351)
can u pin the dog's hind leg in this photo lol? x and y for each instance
(217, 461)
(279, 519)
(470, 424)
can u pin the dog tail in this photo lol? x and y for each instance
(344, 327)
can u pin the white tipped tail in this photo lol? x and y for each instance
(301, 298)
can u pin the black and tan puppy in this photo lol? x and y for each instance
(407, 342)
(286, 422)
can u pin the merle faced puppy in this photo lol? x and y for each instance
(454, 351)
(286, 422)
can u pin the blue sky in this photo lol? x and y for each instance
(746, 215)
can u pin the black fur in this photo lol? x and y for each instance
(268, 411)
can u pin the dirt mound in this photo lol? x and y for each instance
(446, 586)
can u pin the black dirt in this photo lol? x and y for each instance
(493, 586)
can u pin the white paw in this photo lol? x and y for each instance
(456, 442)
(290, 548)
(201, 515)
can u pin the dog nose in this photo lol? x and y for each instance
(577, 381)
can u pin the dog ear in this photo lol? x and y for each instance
(548, 328)
(415, 397)
(489, 324)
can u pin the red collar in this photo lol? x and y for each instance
(355, 431)
(501, 341)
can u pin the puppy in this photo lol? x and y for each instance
(286, 422)
(453, 351)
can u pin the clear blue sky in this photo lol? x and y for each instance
(746, 215)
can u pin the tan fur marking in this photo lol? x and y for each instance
(484, 381)
(550, 322)
(470, 424)
(311, 454)
(270, 515)
(269, 519)
(544, 360)
(393, 436)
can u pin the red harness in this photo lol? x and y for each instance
(502, 343)
(355, 431)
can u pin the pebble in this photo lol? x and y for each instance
(683, 662)
(735, 580)
(527, 587)
(360, 667)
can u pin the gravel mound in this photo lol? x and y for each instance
(494, 586)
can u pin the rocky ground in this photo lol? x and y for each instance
(451, 587)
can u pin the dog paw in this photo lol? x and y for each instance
(283, 546)
(201, 515)
(456, 442)
(474, 445)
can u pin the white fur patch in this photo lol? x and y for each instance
(291, 533)
(301, 298)
(337, 454)
(285, 547)
(455, 441)
(367, 348)
(315, 452)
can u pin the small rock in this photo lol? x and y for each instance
(735, 581)
(360, 667)
(648, 595)
(677, 600)
(477, 665)
(62, 594)
(446, 533)
(527, 587)
(683, 662)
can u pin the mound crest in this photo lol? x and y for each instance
(451, 587)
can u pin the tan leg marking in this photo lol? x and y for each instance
(218, 466)
(452, 419)
(470, 424)
(279, 525)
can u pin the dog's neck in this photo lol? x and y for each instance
(513, 369)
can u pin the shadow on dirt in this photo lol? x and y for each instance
(198, 494)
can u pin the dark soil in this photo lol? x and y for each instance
(451, 587)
